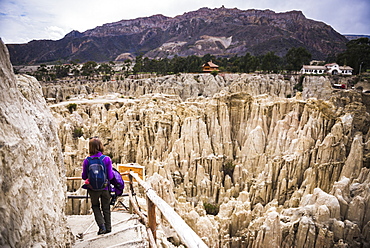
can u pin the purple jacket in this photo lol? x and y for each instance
(107, 162)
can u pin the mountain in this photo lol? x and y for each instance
(220, 31)
(355, 36)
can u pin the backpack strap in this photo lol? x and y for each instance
(101, 158)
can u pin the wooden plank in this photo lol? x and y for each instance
(152, 243)
(135, 207)
(77, 196)
(186, 234)
(152, 220)
(74, 178)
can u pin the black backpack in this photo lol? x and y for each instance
(97, 173)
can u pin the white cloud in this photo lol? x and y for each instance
(55, 32)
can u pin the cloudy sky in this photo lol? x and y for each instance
(24, 20)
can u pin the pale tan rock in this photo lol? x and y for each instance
(285, 155)
(354, 160)
(32, 173)
(269, 234)
(320, 88)
(320, 198)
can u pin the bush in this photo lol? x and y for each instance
(77, 132)
(228, 168)
(212, 209)
(214, 73)
(299, 85)
(72, 107)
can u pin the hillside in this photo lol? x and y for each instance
(219, 31)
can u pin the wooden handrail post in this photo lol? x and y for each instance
(132, 193)
(152, 221)
(186, 234)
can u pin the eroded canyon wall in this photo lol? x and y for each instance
(184, 85)
(284, 171)
(32, 175)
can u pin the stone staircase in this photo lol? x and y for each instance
(127, 231)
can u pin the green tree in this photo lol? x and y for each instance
(248, 63)
(62, 70)
(208, 57)
(252, 64)
(194, 64)
(74, 67)
(296, 57)
(138, 65)
(163, 66)
(106, 71)
(42, 73)
(126, 68)
(270, 62)
(358, 51)
(89, 68)
(178, 64)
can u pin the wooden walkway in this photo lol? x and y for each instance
(127, 231)
(134, 228)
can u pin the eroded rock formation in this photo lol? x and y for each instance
(283, 171)
(185, 86)
(32, 180)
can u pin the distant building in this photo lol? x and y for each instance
(209, 67)
(313, 69)
(333, 69)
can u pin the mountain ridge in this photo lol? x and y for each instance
(193, 33)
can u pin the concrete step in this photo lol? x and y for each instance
(127, 231)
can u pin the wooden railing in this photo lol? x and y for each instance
(186, 234)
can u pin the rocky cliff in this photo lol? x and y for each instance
(185, 86)
(220, 31)
(32, 178)
(276, 170)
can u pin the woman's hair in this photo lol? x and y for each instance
(95, 146)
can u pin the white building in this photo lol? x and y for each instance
(313, 69)
(333, 69)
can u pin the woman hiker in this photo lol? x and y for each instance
(97, 172)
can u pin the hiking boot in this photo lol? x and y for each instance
(102, 229)
(108, 228)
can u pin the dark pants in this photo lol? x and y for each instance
(100, 201)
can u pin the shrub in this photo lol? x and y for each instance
(212, 209)
(214, 73)
(299, 85)
(77, 132)
(228, 168)
(72, 107)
